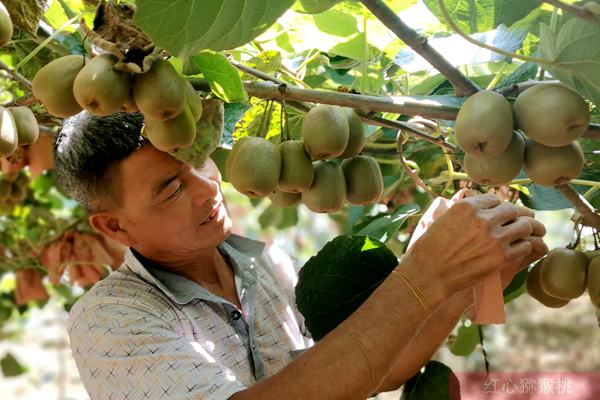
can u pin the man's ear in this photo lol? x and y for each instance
(108, 224)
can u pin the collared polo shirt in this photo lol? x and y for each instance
(144, 333)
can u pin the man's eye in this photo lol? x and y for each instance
(175, 193)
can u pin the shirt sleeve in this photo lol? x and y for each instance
(124, 352)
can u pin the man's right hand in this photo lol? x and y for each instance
(475, 237)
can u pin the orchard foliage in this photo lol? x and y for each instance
(226, 48)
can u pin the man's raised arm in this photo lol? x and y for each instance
(476, 237)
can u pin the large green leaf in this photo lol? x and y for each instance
(482, 15)
(574, 52)
(436, 382)
(316, 6)
(336, 281)
(186, 27)
(223, 78)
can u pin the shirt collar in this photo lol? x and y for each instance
(242, 252)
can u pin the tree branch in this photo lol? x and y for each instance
(588, 214)
(400, 105)
(580, 12)
(15, 75)
(462, 85)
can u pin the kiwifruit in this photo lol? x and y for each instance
(193, 100)
(28, 129)
(551, 166)
(6, 25)
(563, 273)
(8, 133)
(53, 85)
(284, 199)
(254, 166)
(484, 124)
(176, 133)
(551, 114)
(500, 169)
(99, 88)
(364, 183)
(591, 254)
(297, 171)
(328, 190)
(160, 92)
(593, 282)
(129, 103)
(534, 289)
(325, 132)
(356, 134)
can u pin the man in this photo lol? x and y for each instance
(197, 313)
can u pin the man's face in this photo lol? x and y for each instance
(170, 209)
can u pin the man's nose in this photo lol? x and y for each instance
(204, 189)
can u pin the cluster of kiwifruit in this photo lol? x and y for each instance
(304, 170)
(18, 127)
(550, 115)
(13, 188)
(563, 275)
(168, 101)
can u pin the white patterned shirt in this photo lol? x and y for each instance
(143, 333)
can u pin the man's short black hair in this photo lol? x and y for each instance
(88, 149)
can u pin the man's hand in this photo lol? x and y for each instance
(475, 237)
(538, 248)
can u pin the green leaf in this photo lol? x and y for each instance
(336, 23)
(384, 227)
(336, 281)
(516, 287)
(470, 16)
(233, 113)
(186, 27)
(11, 367)
(317, 6)
(355, 49)
(482, 15)
(574, 52)
(544, 198)
(271, 216)
(436, 382)
(466, 339)
(267, 61)
(510, 11)
(523, 72)
(223, 78)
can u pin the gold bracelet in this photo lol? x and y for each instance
(417, 292)
(364, 351)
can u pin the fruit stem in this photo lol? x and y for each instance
(469, 39)
(45, 43)
(414, 174)
(450, 182)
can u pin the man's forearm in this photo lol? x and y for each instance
(353, 359)
(429, 338)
